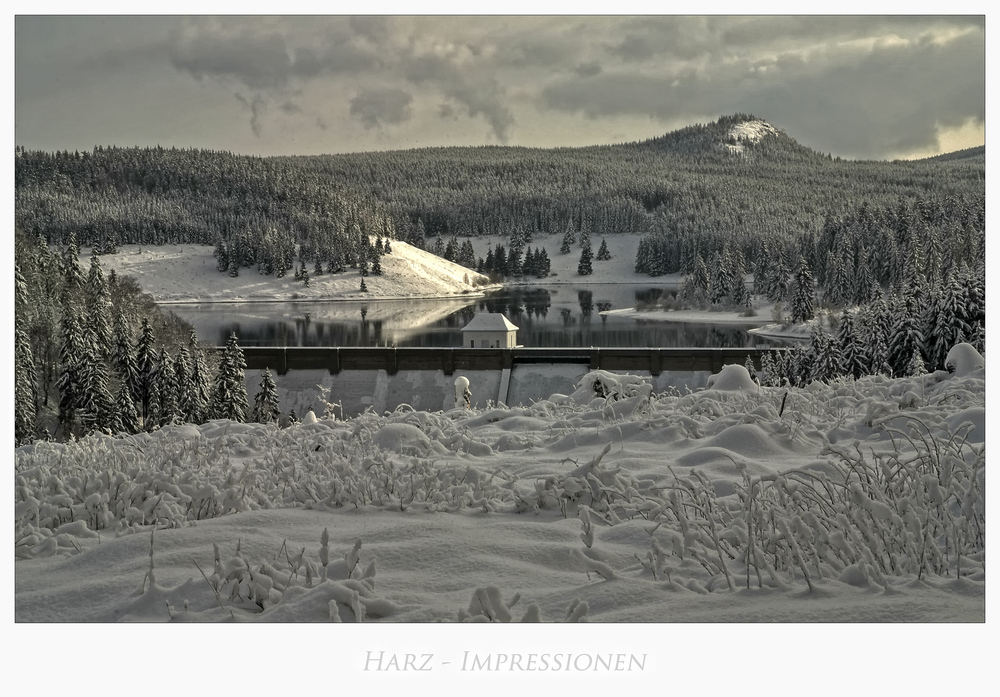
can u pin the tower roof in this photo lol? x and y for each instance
(489, 322)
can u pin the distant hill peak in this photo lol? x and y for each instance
(741, 133)
(732, 134)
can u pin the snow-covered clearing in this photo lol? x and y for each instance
(188, 273)
(620, 268)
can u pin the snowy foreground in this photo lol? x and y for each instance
(854, 501)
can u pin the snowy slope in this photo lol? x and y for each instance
(187, 273)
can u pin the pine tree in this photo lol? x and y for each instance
(229, 400)
(201, 384)
(569, 237)
(876, 332)
(145, 359)
(70, 383)
(852, 356)
(364, 288)
(169, 390)
(802, 298)
(585, 266)
(265, 408)
(221, 255)
(824, 356)
(73, 281)
(25, 399)
(96, 406)
(723, 279)
(98, 307)
(769, 376)
(126, 419)
(904, 335)
(915, 366)
(603, 254)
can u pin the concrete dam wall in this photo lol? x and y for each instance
(424, 378)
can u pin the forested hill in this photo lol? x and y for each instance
(737, 179)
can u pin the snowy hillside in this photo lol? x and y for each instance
(854, 501)
(187, 273)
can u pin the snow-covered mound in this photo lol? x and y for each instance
(188, 273)
(964, 360)
(613, 504)
(732, 378)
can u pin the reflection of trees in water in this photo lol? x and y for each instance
(650, 296)
(586, 300)
(520, 303)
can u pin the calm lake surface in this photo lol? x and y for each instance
(550, 316)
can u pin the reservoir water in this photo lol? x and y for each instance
(545, 315)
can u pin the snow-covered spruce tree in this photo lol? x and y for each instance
(853, 360)
(185, 386)
(221, 255)
(769, 376)
(96, 406)
(824, 356)
(778, 279)
(696, 286)
(802, 295)
(145, 360)
(585, 267)
(123, 354)
(25, 402)
(915, 366)
(603, 254)
(169, 390)
(265, 408)
(876, 337)
(73, 280)
(569, 237)
(229, 400)
(126, 418)
(904, 334)
(723, 279)
(98, 306)
(70, 383)
(201, 384)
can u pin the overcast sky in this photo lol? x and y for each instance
(857, 87)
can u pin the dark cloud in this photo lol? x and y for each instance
(263, 58)
(542, 52)
(475, 91)
(256, 106)
(588, 69)
(376, 28)
(885, 100)
(377, 107)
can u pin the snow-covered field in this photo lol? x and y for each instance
(852, 499)
(620, 268)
